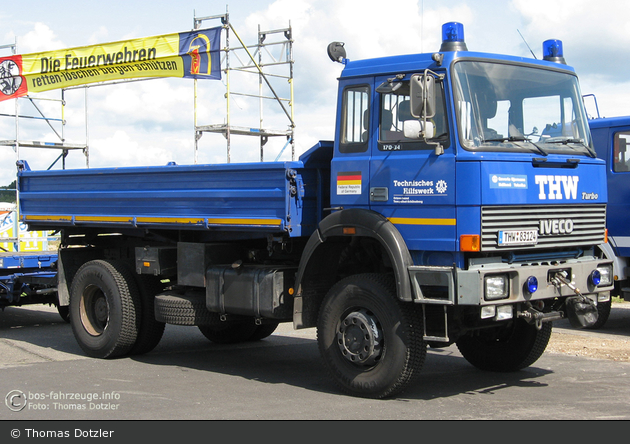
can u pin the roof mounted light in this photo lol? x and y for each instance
(552, 51)
(453, 37)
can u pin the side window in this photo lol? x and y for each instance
(621, 157)
(395, 111)
(355, 120)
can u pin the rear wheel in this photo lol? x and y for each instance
(151, 330)
(371, 343)
(505, 349)
(229, 332)
(105, 309)
(263, 331)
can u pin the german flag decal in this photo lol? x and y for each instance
(349, 183)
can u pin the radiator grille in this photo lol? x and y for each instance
(589, 223)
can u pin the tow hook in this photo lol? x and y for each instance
(581, 310)
(536, 317)
(561, 278)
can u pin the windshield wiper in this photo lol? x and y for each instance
(568, 140)
(518, 139)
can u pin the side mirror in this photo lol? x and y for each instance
(422, 91)
(412, 129)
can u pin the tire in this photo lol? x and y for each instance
(263, 331)
(371, 343)
(151, 330)
(178, 308)
(229, 332)
(105, 309)
(505, 349)
(603, 313)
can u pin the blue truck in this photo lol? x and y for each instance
(440, 214)
(29, 278)
(611, 137)
(28, 273)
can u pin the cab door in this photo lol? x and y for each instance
(412, 180)
(350, 167)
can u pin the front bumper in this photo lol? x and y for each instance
(452, 286)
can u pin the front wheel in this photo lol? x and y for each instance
(371, 343)
(505, 349)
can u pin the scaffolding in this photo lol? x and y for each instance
(273, 49)
(61, 145)
(20, 239)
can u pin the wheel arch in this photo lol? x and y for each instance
(316, 273)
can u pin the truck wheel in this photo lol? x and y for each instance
(229, 332)
(104, 309)
(263, 331)
(151, 330)
(371, 343)
(603, 313)
(505, 349)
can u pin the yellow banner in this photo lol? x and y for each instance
(193, 54)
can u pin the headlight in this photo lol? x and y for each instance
(605, 276)
(496, 287)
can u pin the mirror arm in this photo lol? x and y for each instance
(439, 149)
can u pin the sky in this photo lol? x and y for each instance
(152, 122)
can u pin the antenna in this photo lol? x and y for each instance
(530, 49)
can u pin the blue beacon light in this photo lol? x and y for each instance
(553, 52)
(596, 277)
(531, 284)
(453, 37)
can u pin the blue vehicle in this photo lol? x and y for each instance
(28, 270)
(611, 137)
(440, 214)
(29, 278)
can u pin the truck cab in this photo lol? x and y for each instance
(611, 137)
(483, 163)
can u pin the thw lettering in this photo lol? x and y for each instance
(552, 187)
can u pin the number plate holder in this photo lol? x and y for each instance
(517, 237)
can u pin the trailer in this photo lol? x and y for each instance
(29, 278)
(440, 214)
(28, 269)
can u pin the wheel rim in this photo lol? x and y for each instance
(360, 338)
(94, 310)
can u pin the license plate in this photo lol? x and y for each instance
(518, 237)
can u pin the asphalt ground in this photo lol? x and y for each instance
(186, 378)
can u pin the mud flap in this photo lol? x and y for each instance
(581, 311)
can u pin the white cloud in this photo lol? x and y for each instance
(41, 38)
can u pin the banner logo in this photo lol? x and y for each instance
(12, 83)
(193, 54)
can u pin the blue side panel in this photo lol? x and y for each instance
(250, 197)
(524, 183)
(27, 260)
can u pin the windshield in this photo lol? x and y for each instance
(503, 107)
